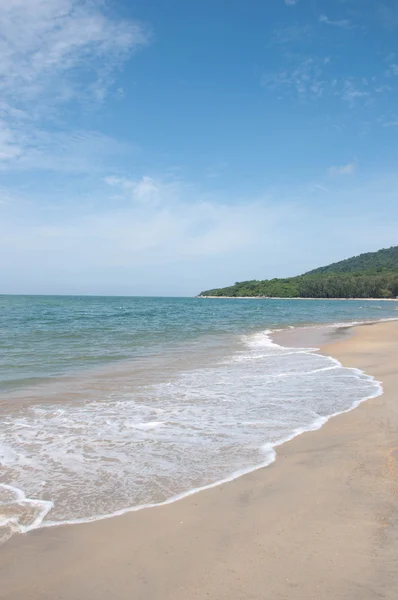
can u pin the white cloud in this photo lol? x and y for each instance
(390, 124)
(79, 152)
(46, 45)
(305, 80)
(392, 71)
(289, 35)
(388, 15)
(382, 89)
(310, 79)
(188, 241)
(116, 239)
(291, 2)
(147, 190)
(351, 91)
(9, 147)
(343, 23)
(318, 186)
(348, 169)
(53, 52)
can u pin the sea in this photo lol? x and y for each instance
(113, 404)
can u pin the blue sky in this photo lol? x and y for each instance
(151, 147)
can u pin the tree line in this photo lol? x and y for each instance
(339, 285)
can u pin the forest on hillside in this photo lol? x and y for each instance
(370, 275)
(370, 263)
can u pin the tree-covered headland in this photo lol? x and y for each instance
(370, 275)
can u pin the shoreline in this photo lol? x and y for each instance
(315, 335)
(219, 506)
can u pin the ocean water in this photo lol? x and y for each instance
(114, 404)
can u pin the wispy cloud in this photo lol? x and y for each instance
(348, 169)
(75, 151)
(318, 187)
(291, 2)
(186, 242)
(9, 146)
(342, 23)
(46, 45)
(390, 124)
(351, 91)
(305, 80)
(392, 70)
(312, 79)
(384, 88)
(147, 190)
(52, 53)
(158, 223)
(388, 15)
(289, 35)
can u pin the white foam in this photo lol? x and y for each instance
(113, 455)
(19, 514)
(147, 426)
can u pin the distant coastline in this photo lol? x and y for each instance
(294, 298)
(373, 275)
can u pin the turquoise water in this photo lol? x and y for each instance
(45, 336)
(114, 404)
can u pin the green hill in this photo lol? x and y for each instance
(383, 261)
(370, 275)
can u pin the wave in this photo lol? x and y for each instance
(146, 445)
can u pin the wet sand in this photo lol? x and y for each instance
(321, 523)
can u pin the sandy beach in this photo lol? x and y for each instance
(321, 523)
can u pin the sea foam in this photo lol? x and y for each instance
(140, 443)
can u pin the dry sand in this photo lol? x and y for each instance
(319, 524)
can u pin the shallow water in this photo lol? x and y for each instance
(110, 404)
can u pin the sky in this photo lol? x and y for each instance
(164, 148)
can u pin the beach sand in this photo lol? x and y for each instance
(321, 523)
